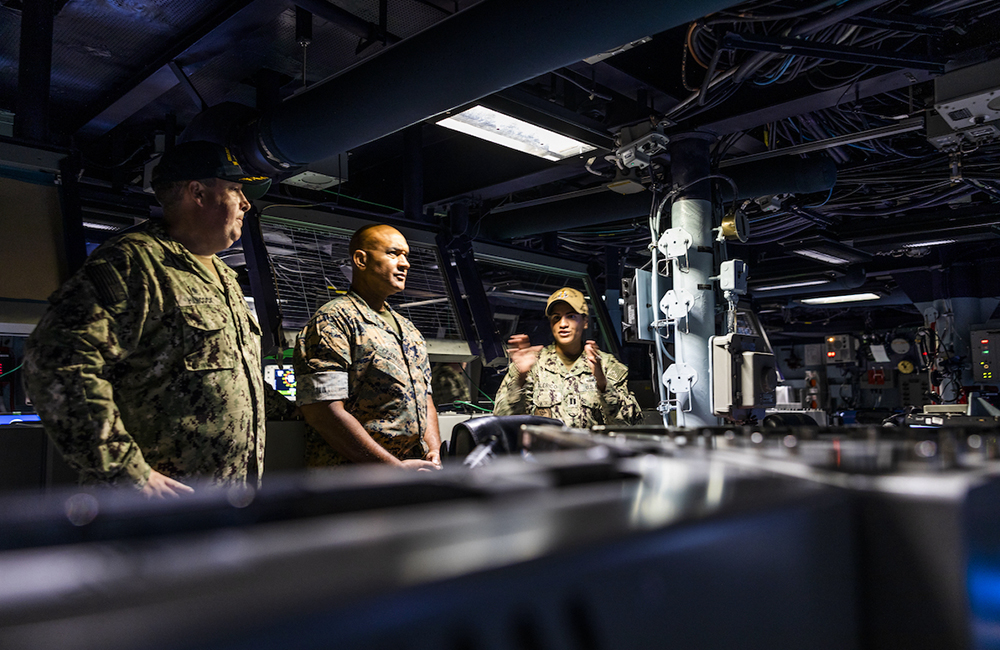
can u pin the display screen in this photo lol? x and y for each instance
(281, 379)
(16, 418)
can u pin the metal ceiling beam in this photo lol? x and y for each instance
(345, 19)
(782, 175)
(553, 174)
(904, 126)
(897, 23)
(154, 78)
(820, 50)
(749, 119)
(607, 75)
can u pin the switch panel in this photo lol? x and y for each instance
(985, 346)
(841, 348)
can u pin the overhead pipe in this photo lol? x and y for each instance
(455, 62)
(792, 175)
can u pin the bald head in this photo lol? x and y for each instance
(380, 261)
(365, 236)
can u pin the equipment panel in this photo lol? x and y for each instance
(985, 346)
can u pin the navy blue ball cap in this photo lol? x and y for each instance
(198, 159)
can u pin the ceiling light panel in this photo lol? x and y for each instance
(791, 285)
(820, 256)
(936, 242)
(832, 300)
(511, 132)
(826, 250)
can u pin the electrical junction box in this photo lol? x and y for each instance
(743, 373)
(733, 276)
(985, 346)
(969, 96)
(966, 107)
(639, 315)
(841, 348)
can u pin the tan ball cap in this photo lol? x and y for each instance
(571, 297)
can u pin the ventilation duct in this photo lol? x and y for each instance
(457, 61)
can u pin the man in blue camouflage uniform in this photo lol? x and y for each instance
(361, 370)
(568, 380)
(146, 368)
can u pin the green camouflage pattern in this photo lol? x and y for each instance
(383, 379)
(448, 384)
(569, 394)
(144, 361)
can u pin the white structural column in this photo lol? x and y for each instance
(692, 277)
(691, 213)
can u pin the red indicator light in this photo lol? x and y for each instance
(985, 341)
(831, 354)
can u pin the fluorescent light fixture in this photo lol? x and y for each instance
(791, 285)
(825, 250)
(832, 300)
(511, 132)
(93, 225)
(421, 303)
(528, 292)
(936, 242)
(822, 257)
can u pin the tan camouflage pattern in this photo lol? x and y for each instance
(144, 361)
(388, 376)
(569, 394)
(448, 384)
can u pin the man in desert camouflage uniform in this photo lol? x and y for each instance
(568, 380)
(449, 385)
(361, 370)
(146, 368)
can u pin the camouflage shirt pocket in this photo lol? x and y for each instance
(547, 396)
(206, 344)
(590, 398)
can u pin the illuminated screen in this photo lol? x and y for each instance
(281, 379)
(17, 418)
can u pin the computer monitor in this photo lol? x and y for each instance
(281, 379)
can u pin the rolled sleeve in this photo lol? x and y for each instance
(321, 387)
(322, 360)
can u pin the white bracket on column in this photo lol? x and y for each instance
(676, 303)
(674, 243)
(680, 377)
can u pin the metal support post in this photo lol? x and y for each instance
(475, 315)
(691, 214)
(74, 240)
(34, 74)
(413, 165)
(265, 294)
